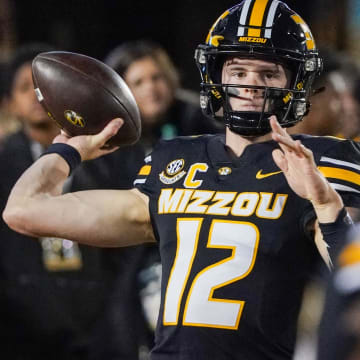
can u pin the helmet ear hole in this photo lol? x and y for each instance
(217, 68)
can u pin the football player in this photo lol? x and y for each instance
(239, 218)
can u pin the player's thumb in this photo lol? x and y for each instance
(109, 131)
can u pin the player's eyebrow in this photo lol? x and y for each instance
(275, 68)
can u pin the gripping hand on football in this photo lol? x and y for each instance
(92, 146)
(298, 165)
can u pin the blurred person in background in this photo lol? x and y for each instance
(58, 299)
(8, 122)
(326, 109)
(166, 109)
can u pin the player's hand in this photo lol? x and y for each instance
(92, 146)
(298, 165)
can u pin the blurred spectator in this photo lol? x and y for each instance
(166, 109)
(339, 332)
(334, 108)
(58, 299)
(324, 115)
(8, 122)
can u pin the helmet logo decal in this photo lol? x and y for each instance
(258, 14)
(214, 40)
(222, 16)
(310, 43)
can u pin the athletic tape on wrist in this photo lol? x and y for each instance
(67, 152)
(334, 233)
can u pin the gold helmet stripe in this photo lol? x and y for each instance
(257, 17)
(310, 43)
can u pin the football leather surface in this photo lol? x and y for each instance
(82, 94)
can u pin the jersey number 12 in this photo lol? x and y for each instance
(201, 308)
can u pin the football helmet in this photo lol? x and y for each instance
(267, 30)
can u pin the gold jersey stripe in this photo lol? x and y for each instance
(257, 16)
(340, 174)
(350, 255)
(145, 170)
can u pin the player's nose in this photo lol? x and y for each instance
(253, 79)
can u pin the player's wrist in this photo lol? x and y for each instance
(69, 153)
(327, 211)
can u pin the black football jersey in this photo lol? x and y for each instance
(233, 243)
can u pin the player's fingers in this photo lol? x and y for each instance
(280, 160)
(276, 128)
(286, 144)
(107, 150)
(307, 152)
(61, 138)
(281, 136)
(109, 131)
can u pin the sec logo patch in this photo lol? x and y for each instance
(174, 167)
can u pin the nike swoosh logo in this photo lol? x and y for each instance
(260, 175)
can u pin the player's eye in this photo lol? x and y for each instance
(238, 74)
(269, 75)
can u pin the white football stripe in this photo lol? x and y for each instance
(243, 17)
(343, 188)
(270, 18)
(139, 181)
(148, 159)
(340, 162)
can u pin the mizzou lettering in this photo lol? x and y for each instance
(252, 39)
(186, 201)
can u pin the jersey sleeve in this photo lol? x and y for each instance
(341, 166)
(146, 179)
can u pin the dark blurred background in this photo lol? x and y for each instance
(94, 27)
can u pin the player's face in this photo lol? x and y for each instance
(24, 104)
(150, 88)
(252, 72)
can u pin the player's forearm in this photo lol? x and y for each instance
(43, 179)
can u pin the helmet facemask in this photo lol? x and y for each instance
(289, 103)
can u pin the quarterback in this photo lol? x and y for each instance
(239, 219)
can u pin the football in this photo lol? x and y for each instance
(82, 94)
